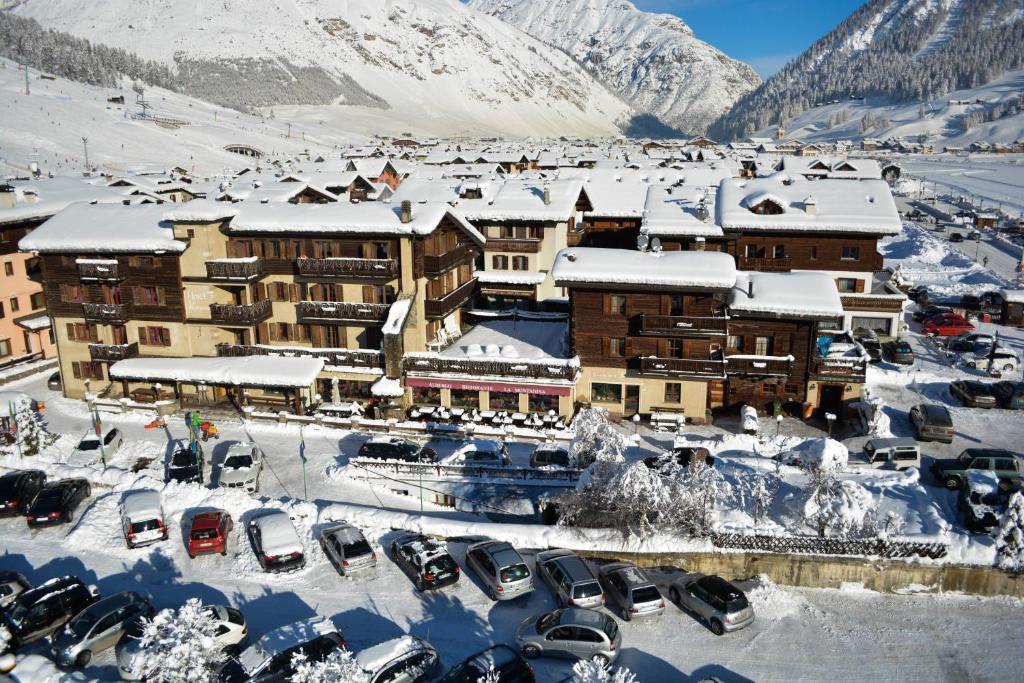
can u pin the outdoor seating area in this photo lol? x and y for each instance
(493, 418)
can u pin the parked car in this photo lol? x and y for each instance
(383, 447)
(974, 235)
(88, 451)
(347, 548)
(972, 393)
(570, 632)
(932, 422)
(507, 664)
(209, 533)
(242, 467)
(1009, 394)
(917, 293)
(426, 561)
(970, 341)
(142, 518)
(549, 455)
(481, 453)
(276, 542)
(186, 464)
(925, 312)
(570, 578)
(12, 584)
(57, 501)
(1005, 465)
(631, 589)
(679, 456)
(270, 657)
(982, 501)
(98, 627)
(53, 383)
(38, 612)
(229, 634)
(18, 489)
(501, 569)
(719, 603)
(897, 453)
(956, 237)
(946, 327)
(1001, 359)
(899, 352)
(407, 659)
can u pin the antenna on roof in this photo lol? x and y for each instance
(656, 245)
(642, 241)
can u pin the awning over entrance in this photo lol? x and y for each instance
(248, 371)
(33, 323)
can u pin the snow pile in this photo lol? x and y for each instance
(397, 314)
(386, 387)
(822, 453)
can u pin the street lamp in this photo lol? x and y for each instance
(831, 418)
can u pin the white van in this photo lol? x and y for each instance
(142, 518)
(892, 454)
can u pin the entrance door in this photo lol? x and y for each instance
(632, 405)
(830, 399)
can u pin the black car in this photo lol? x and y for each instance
(1009, 394)
(956, 237)
(40, 611)
(17, 489)
(57, 501)
(680, 456)
(186, 464)
(509, 665)
(925, 312)
(973, 394)
(426, 561)
(395, 448)
(918, 293)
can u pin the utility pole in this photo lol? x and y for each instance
(85, 145)
(289, 131)
(27, 90)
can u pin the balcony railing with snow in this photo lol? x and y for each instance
(107, 312)
(514, 245)
(342, 310)
(113, 352)
(352, 358)
(682, 325)
(709, 368)
(782, 264)
(98, 269)
(348, 267)
(511, 368)
(774, 366)
(234, 268)
(241, 314)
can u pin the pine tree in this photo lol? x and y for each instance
(1010, 537)
(31, 431)
(180, 646)
(339, 667)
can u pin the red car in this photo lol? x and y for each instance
(209, 533)
(946, 326)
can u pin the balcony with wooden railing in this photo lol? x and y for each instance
(446, 261)
(703, 368)
(514, 245)
(107, 313)
(439, 308)
(357, 358)
(682, 325)
(341, 311)
(111, 353)
(348, 267)
(782, 264)
(235, 269)
(763, 366)
(430, 364)
(841, 369)
(867, 302)
(241, 314)
(98, 269)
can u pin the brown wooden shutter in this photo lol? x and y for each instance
(860, 286)
(161, 296)
(369, 294)
(165, 336)
(293, 293)
(142, 335)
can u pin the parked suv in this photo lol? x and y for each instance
(57, 501)
(99, 627)
(426, 561)
(276, 542)
(142, 519)
(186, 464)
(508, 664)
(17, 489)
(549, 455)
(896, 453)
(270, 657)
(209, 533)
(40, 611)
(719, 603)
(1005, 465)
(629, 587)
(242, 467)
(570, 578)
(384, 447)
(571, 632)
(407, 659)
(347, 548)
(932, 422)
(501, 568)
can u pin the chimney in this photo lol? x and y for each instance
(811, 206)
(406, 211)
(547, 195)
(750, 289)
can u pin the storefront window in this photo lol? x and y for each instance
(428, 396)
(540, 403)
(605, 393)
(501, 400)
(465, 398)
(351, 388)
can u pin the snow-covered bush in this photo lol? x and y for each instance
(837, 507)
(1010, 537)
(339, 667)
(596, 438)
(30, 431)
(5, 639)
(180, 646)
(699, 489)
(491, 676)
(590, 671)
(758, 494)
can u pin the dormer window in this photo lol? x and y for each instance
(767, 207)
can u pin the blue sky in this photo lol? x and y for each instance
(763, 33)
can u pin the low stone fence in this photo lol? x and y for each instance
(814, 545)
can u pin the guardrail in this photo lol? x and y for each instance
(439, 471)
(814, 545)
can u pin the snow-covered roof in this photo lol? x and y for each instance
(509, 277)
(34, 323)
(832, 167)
(200, 211)
(105, 228)
(1015, 296)
(796, 294)
(267, 371)
(683, 269)
(845, 206)
(387, 387)
(397, 315)
(512, 340)
(672, 212)
(44, 197)
(516, 199)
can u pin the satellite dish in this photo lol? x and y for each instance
(656, 244)
(642, 241)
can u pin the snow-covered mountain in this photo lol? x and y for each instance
(431, 67)
(653, 60)
(889, 52)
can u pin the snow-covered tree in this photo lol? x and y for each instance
(700, 489)
(491, 676)
(591, 671)
(596, 438)
(837, 507)
(180, 646)
(339, 667)
(1010, 537)
(30, 431)
(626, 497)
(5, 639)
(761, 493)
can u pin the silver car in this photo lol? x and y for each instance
(501, 568)
(99, 627)
(403, 660)
(635, 594)
(242, 467)
(570, 578)
(347, 548)
(12, 584)
(719, 603)
(572, 632)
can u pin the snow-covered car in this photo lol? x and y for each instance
(142, 519)
(270, 657)
(12, 584)
(230, 632)
(549, 455)
(719, 603)
(275, 542)
(479, 453)
(982, 500)
(347, 548)
(242, 466)
(407, 659)
(427, 562)
(186, 463)
(98, 627)
(88, 451)
(1002, 359)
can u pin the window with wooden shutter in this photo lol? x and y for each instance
(293, 293)
(369, 294)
